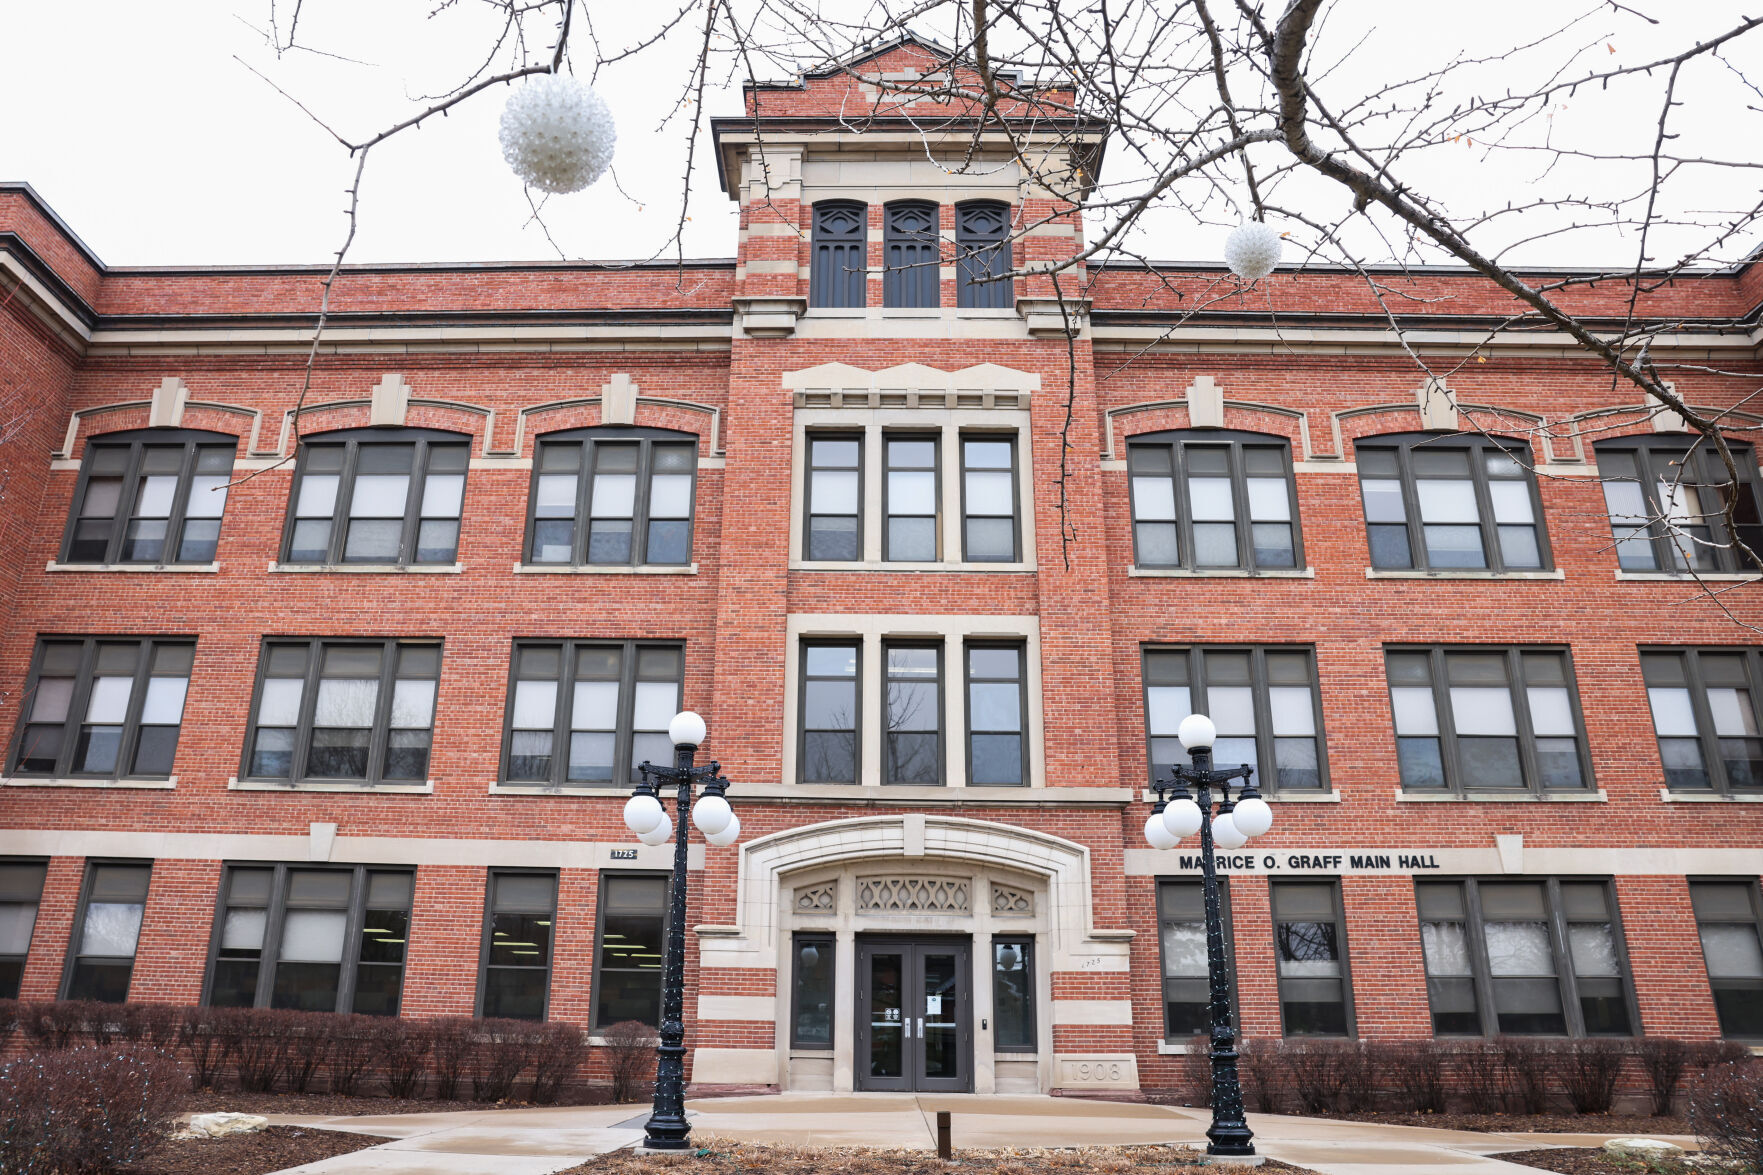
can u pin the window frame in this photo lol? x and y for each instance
(80, 700)
(1236, 441)
(1230, 956)
(1755, 894)
(486, 932)
(985, 255)
(1475, 445)
(136, 441)
(810, 437)
(1344, 951)
(1691, 658)
(1649, 453)
(588, 441)
(823, 248)
(23, 960)
(823, 940)
(1011, 438)
(624, 734)
(887, 755)
(352, 440)
(594, 1023)
(1020, 648)
(803, 684)
(1025, 943)
(910, 436)
(73, 958)
(1449, 753)
(905, 283)
(1267, 782)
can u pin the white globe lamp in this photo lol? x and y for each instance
(686, 729)
(1157, 834)
(711, 814)
(1252, 250)
(557, 134)
(728, 835)
(1226, 834)
(1252, 816)
(1196, 732)
(642, 813)
(660, 834)
(1182, 818)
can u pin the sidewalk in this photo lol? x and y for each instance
(544, 1141)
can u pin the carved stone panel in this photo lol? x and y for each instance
(817, 899)
(1010, 902)
(912, 895)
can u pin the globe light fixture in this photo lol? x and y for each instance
(711, 814)
(686, 729)
(642, 813)
(660, 834)
(1182, 817)
(1252, 816)
(1157, 833)
(1226, 834)
(727, 836)
(557, 134)
(1197, 733)
(1252, 250)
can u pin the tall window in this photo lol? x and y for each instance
(910, 255)
(314, 939)
(835, 498)
(1438, 503)
(1524, 958)
(1727, 916)
(1310, 941)
(378, 497)
(518, 924)
(344, 709)
(1704, 705)
(838, 273)
(1013, 994)
(150, 497)
(629, 947)
(21, 889)
(910, 496)
(611, 496)
(106, 933)
(1213, 500)
(1263, 701)
(104, 709)
(1478, 719)
(1187, 989)
(811, 991)
(988, 500)
(587, 713)
(829, 705)
(1667, 498)
(914, 714)
(982, 251)
(997, 715)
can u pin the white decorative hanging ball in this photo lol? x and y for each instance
(1226, 834)
(642, 812)
(1252, 816)
(1157, 834)
(711, 814)
(728, 835)
(1252, 250)
(660, 834)
(557, 134)
(1182, 817)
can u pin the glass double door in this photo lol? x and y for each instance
(915, 1014)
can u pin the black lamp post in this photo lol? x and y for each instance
(1237, 820)
(667, 1128)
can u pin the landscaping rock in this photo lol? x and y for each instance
(1642, 1148)
(219, 1125)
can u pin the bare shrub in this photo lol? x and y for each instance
(404, 1046)
(85, 1111)
(1532, 1068)
(1480, 1069)
(354, 1045)
(1260, 1073)
(1416, 1072)
(205, 1043)
(1589, 1071)
(53, 1024)
(309, 1040)
(630, 1055)
(506, 1049)
(1321, 1072)
(1196, 1071)
(558, 1051)
(1726, 1111)
(158, 1026)
(455, 1052)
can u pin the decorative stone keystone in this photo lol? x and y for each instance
(1205, 403)
(1511, 847)
(618, 400)
(769, 317)
(1438, 411)
(391, 401)
(324, 837)
(167, 407)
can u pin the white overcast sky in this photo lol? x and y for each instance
(137, 122)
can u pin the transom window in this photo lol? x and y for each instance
(150, 497)
(584, 712)
(21, 890)
(520, 917)
(835, 497)
(1704, 704)
(314, 939)
(1667, 498)
(344, 709)
(1213, 500)
(106, 932)
(990, 533)
(1187, 988)
(982, 251)
(1439, 503)
(1479, 719)
(911, 255)
(839, 264)
(104, 708)
(629, 947)
(1263, 700)
(1310, 946)
(1727, 917)
(378, 496)
(1524, 958)
(613, 496)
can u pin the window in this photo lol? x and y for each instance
(633, 488)
(344, 710)
(910, 255)
(988, 499)
(1213, 500)
(829, 705)
(516, 975)
(578, 710)
(150, 497)
(1310, 941)
(997, 715)
(1727, 918)
(629, 947)
(1442, 503)
(1263, 701)
(910, 499)
(1472, 719)
(914, 714)
(313, 939)
(838, 274)
(1704, 705)
(1529, 958)
(106, 932)
(811, 992)
(104, 709)
(1013, 995)
(21, 888)
(982, 244)
(1187, 987)
(1667, 498)
(835, 498)
(383, 497)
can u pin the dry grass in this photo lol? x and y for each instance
(716, 1156)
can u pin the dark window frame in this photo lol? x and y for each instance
(353, 440)
(834, 283)
(1267, 782)
(1230, 955)
(1476, 446)
(73, 958)
(1020, 647)
(594, 1021)
(1343, 951)
(25, 862)
(983, 254)
(1690, 656)
(1011, 438)
(822, 940)
(1025, 943)
(887, 763)
(808, 471)
(136, 441)
(625, 732)
(487, 929)
(910, 280)
(935, 440)
(1755, 895)
(1516, 685)
(1666, 454)
(80, 700)
(1178, 441)
(588, 440)
(803, 685)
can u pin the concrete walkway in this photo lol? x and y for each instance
(544, 1141)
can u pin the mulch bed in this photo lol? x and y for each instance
(1640, 1124)
(1587, 1161)
(249, 1154)
(334, 1105)
(719, 1155)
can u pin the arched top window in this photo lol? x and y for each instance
(1667, 497)
(910, 256)
(377, 495)
(150, 496)
(838, 273)
(1454, 501)
(1205, 498)
(610, 496)
(982, 250)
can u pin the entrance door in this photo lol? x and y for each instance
(915, 1014)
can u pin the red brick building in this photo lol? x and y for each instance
(346, 721)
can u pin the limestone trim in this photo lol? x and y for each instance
(1332, 796)
(366, 568)
(1647, 418)
(884, 795)
(1203, 400)
(1534, 860)
(1387, 573)
(120, 784)
(1137, 572)
(1422, 797)
(1481, 419)
(388, 400)
(605, 569)
(1092, 1012)
(137, 568)
(1667, 796)
(623, 402)
(77, 421)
